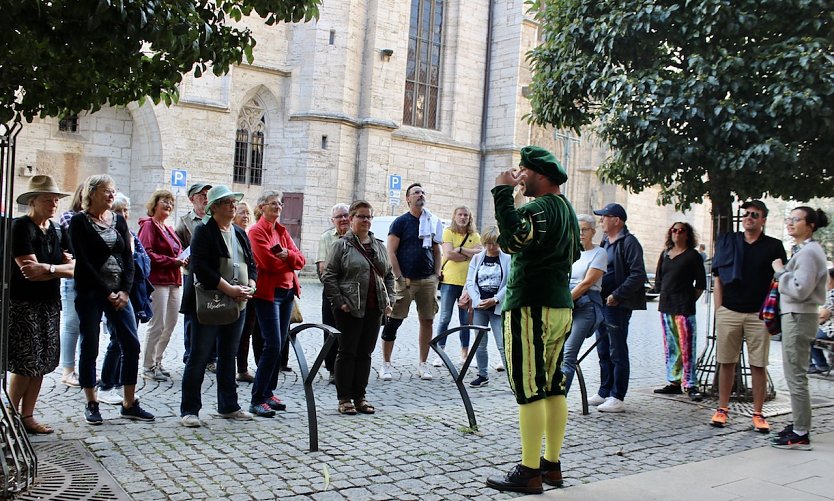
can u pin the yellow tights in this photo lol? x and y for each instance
(548, 418)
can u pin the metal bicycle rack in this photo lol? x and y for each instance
(20, 465)
(308, 375)
(458, 377)
(581, 378)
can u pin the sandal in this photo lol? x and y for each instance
(35, 428)
(346, 407)
(364, 406)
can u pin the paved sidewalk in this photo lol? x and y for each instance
(756, 475)
(417, 446)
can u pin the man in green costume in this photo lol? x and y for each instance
(543, 239)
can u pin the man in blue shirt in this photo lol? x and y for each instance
(414, 251)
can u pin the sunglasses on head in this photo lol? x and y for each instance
(752, 215)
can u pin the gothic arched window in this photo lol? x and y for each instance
(249, 144)
(422, 74)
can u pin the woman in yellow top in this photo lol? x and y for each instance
(460, 243)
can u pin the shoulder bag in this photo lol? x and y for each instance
(215, 307)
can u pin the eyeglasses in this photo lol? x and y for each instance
(276, 203)
(109, 192)
(169, 203)
(340, 216)
(678, 230)
(752, 215)
(585, 230)
(228, 201)
(794, 219)
(363, 217)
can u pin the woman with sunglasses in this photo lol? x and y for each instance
(801, 291)
(680, 280)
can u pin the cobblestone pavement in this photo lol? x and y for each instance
(417, 445)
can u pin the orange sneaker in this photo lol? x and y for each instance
(760, 424)
(719, 419)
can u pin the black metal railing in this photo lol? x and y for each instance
(308, 375)
(19, 465)
(458, 376)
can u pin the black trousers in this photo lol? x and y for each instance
(353, 362)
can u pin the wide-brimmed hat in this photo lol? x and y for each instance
(40, 184)
(219, 192)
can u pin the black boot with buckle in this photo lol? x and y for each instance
(519, 479)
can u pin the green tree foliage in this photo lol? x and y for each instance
(699, 97)
(66, 56)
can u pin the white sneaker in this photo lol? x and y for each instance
(437, 362)
(191, 421)
(110, 396)
(385, 372)
(238, 415)
(596, 400)
(424, 371)
(611, 404)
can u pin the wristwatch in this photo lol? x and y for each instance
(51, 269)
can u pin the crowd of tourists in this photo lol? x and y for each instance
(538, 280)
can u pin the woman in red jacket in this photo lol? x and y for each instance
(164, 248)
(277, 259)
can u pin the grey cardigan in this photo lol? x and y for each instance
(347, 275)
(802, 283)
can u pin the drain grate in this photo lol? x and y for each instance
(68, 472)
(779, 405)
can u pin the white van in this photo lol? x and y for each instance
(380, 225)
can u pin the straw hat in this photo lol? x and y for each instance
(37, 185)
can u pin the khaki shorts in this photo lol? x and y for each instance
(423, 291)
(731, 328)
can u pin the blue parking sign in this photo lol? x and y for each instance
(395, 182)
(179, 178)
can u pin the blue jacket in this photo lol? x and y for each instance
(140, 294)
(728, 261)
(629, 271)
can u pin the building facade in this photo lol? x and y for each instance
(430, 90)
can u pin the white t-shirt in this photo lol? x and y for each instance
(595, 258)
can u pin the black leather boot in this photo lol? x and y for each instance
(519, 479)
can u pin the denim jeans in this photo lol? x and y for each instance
(488, 317)
(112, 366)
(90, 305)
(70, 331)
(188, 321)
(612, 349)
(274, 321)
(817, 355)
(587, 315)
(225, 338)
(449, 295)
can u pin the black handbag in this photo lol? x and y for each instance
(215, 307)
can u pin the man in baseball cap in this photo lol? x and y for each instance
(623, 291)
(197, 193)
